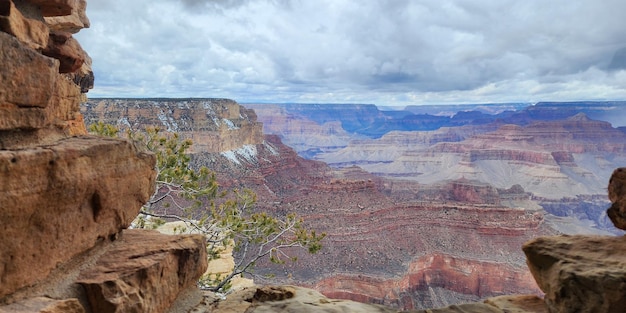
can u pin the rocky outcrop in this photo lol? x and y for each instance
(580, 273)
(144, 271)
(617, 196)
(298, 299)
(44, 305)
(62, 198)
(214, 125)
(66, 197)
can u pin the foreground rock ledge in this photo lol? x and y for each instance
(44, 305)
(144, 272)
(61, 199)
(298, 299)
(580, 273)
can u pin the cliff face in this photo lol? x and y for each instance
(550, 159)
(214, 125)
(548, 148)
(66, 197)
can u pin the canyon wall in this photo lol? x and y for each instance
(388, 241)
(214, 125)
(555, 151)
(66, 197)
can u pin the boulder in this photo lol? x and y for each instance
(580, 273)
(27, 78)
(72, 23)
(32, 32)
(44, 305)
(144, 272)
(617, 195)
(63, 47)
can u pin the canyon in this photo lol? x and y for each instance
(561, 153)
(68, 198)
(389, 241)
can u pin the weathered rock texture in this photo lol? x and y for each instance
(580, 273)
(60, 199)
(298, 299)
(44, 305)
(66, 197)
(617, 196)
(144, 272)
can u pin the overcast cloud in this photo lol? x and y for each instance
(360, 51)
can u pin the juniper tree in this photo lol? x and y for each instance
(226, 219)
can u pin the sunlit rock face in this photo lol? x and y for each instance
(214, 125)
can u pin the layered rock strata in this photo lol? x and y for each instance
(66, 197)
(580, 273)
(617, 196)
(144, 272)
(61, 199)
(297, 299)
(432, 227)
(214, 125)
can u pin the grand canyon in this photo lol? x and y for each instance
(423, 207)
(501, 205)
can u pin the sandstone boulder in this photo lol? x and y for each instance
(70, 23)
(66, 197)
(27, 78)
(617, 195)
(286, 299)
(580, 273)
(44, 305)
(32, 32)
(144, 272)
(63, 47)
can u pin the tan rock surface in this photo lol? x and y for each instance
(27, 78)
(144, 272)
(63, 47)
(519, 304)
(32, 32)
(580, 273)
(66, 197)
(44, 305)
(617, 195)
(71, 23)
(286, 299)
(223, 265)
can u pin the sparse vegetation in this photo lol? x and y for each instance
(193, 197)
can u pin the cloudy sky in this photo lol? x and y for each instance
(387, 52)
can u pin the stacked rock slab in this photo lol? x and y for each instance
(65, 196)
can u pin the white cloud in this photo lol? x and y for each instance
(384, 52)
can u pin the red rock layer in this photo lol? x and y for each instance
(464, 276)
